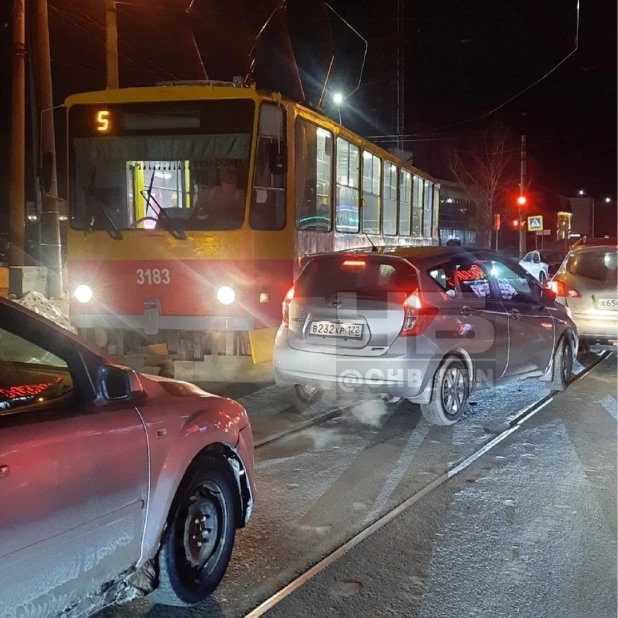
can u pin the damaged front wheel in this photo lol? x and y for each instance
(199, 539)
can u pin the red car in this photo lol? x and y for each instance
(113, 485)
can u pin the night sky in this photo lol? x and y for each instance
(462, 60)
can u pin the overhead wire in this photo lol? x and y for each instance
(358, 34)
(87, 18)
(70, 19)
(492, 111)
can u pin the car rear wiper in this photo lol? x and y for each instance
(170, 225)
(357, 293)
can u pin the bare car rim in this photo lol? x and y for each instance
(453, 391)
(567, 362)
(200, 533)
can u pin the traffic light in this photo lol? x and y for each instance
(515, 222)
(521, 200)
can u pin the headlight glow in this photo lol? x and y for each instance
(226, 295)
(83, 293)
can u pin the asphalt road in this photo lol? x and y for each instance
(472, 547)
(527, 530)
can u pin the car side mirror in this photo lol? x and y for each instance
(548, 296)
(119, 383)
(536, 259)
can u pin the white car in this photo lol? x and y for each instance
(542, 264)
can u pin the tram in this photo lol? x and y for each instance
(191, 205)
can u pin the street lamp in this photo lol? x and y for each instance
(582, 192)
(608, 200)
(338, 100)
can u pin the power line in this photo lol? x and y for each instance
(69, 19)
(87, 18)
(509, 100)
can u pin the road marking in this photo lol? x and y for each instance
(515, 423)
(611, 405)
(421, 431)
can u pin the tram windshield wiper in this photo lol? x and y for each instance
(113, 230)
(174, 227)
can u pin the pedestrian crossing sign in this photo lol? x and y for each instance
(535, 223)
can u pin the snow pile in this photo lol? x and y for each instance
(56, 310)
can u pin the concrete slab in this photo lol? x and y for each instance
(223, 369)
(24, 279)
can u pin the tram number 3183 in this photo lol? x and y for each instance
(153, 276)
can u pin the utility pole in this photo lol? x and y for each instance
(34, 128)
(400, 73)
(522, 189)
(17, 189)
(111, 44)
(51, 250)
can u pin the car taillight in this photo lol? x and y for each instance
(355, 263)
(418, 315)
(564, 289)
(286, 305)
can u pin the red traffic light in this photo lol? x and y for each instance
(521, 200)
(515, 223)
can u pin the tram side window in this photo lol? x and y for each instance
(417, 207)
(405, 202)
(389, 197)
(347, 203)
(269, 182)
(427, 204)
(371, 193)
(314, 170)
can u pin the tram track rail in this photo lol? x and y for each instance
(513, 424)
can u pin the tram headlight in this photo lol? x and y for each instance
(226, 295)
(83, 293)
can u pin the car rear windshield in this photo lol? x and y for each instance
(598, 264)
(370, 276)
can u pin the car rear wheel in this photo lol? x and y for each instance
(198, 542)
(451, 387)
(542, 278)
(563, 365)
(307, 393)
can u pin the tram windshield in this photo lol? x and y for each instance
(148, 166)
